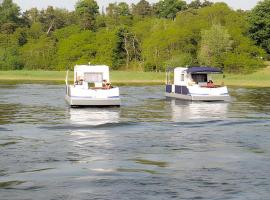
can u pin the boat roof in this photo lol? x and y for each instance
(206, 70)
(196, 70)
(92, 68)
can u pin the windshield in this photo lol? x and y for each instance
(199, 78)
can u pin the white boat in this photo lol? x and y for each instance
(195, 84)
(92, 87)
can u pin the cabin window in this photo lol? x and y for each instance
(182, 77)
(199, 78)
(93, 77)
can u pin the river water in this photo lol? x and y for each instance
(150, 148)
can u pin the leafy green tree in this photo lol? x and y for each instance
(78, 48)
(214, 44)
(162, 41)
(119, 52)
(9, 53)
(179, 60)
(54, 18)
(8, 28)
(195, 4)
(38, 54)
(9, 12)
(124, 9)
(245, 57)
(241, 63)
(259, 20)
(159, 45)
(9, 45)
(101, 21)
(207, 3)
(35, 31)
(136, 38)
(126, 49)
(142, 9)
(32, 15)
(112, 18)
(87, 10)
(169, 8)
(9, 16)
(20, 36)
(66, 32)
(118, 14)
(112, 10)
(105, 44)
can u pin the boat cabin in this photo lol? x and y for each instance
(91, 77)
(92, 87)
(194, 83)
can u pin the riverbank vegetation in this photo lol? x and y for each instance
(256, 79)
(138, 37)
(59, 76)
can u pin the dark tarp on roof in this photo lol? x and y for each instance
(194, 70)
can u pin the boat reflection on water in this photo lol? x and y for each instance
(93, 116)
(185, 110)
(90, 132)
(92, 123)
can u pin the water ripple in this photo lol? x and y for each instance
(89, 127)
(150, 148)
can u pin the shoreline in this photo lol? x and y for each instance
(59, 82)
(260, 78)
(119, 83)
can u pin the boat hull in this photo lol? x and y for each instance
(78, 101)
(189, 97)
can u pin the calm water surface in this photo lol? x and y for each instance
(150, 148)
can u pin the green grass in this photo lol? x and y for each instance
(32, 75)
(257, 79)
(137, 77)
(120, 77)
(260, 78)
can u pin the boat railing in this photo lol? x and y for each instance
(66, 80)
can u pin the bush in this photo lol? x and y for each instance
(149, 67)
(180, 60)
(241, 63)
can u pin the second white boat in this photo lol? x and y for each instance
(195, 84)
(92, 87)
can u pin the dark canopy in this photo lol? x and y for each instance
(206, 70)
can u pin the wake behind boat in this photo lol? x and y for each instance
(195, 84)
(92, 87)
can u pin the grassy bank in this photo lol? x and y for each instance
(120, 77)
(257, 79)
(260, 78)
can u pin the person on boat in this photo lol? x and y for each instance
(210, 84)
(104, 83)
(109, 86)
(79, 81)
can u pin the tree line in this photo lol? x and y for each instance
(141, 37)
